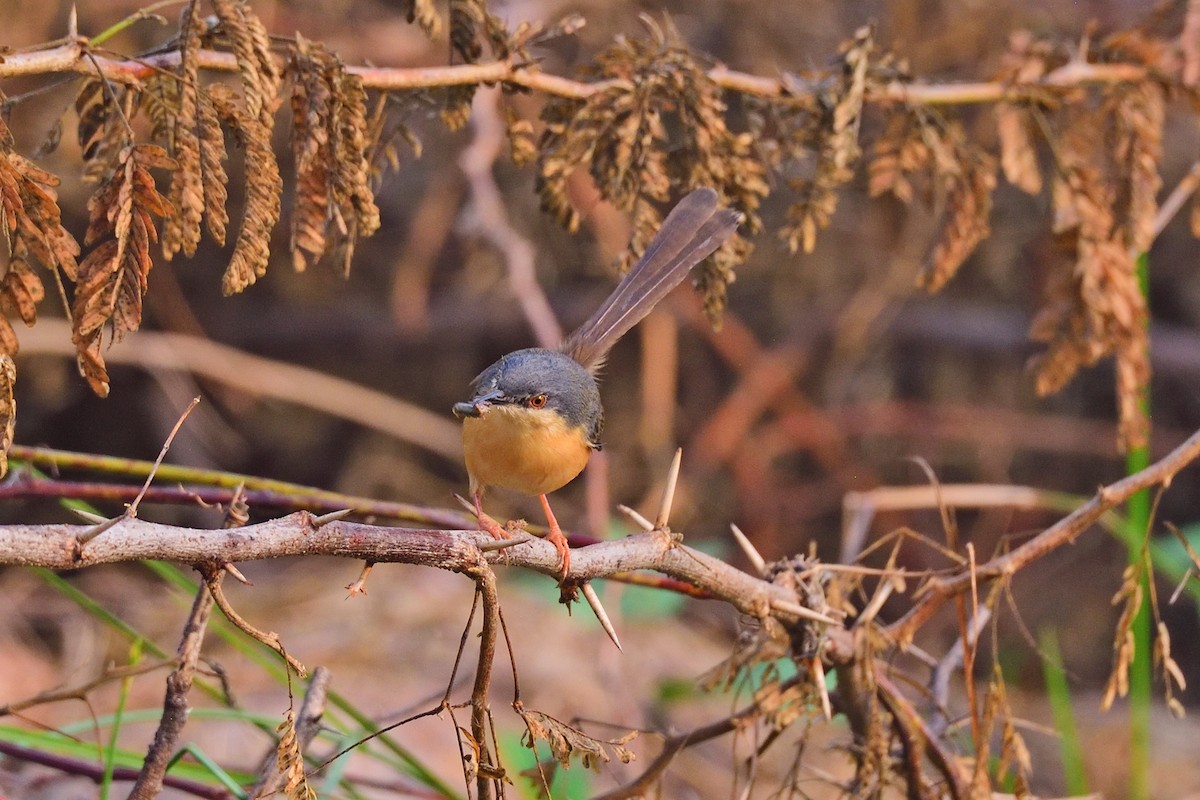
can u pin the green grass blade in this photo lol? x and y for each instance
(1059, 694)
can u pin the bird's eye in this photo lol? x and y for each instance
(538, 401)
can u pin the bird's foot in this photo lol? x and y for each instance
(556, 538)
(493, 528)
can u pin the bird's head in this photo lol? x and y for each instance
(538, 381)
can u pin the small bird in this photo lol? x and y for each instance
(535, 415)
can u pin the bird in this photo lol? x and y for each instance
(535, 416)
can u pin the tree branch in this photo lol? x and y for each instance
(76, 57)
(938, 590)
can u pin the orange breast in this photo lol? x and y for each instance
(532, 451)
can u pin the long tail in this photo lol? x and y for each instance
(693, 230)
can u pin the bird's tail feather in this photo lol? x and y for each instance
(693, 230)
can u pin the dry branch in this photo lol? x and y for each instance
(53, 546)
(70, 57)
(938, 590)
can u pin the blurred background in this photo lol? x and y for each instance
(830, 375)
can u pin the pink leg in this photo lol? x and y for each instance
(486, 523)
(556, 538)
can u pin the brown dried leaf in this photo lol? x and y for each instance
(566, 741)
(1095, 306)
(8, 408)
(181, 230)
(334, 202)
(291, 760)
(112, 279)
(264, 187)
(252, 46)
(833, 136)
(31, 223)
(472, 25)
(1018, 158)
(424, 13)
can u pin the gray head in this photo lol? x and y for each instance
(526, 375)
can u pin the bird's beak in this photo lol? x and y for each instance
(476, 405)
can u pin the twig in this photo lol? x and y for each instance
(489, 769)
(673, 745)
(1179, 195)
(271, 639)
(259, 491)
(454, 550)
(175, 704)
(133, 507)
(81, 691)
(96, 772)
(938, 590)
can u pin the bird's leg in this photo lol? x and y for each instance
(556, 538)
(486, 523)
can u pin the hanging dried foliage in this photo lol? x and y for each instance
(827, 130)
(936, 153)
(656, 127)
(333, 194)
(112, 277)
(34, 234)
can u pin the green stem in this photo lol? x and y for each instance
(1140, 671)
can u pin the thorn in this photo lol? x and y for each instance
(756, 559)
(360, 586)
(593, 600)
(236, 573)
(802, 612)
(664, 510)
(465, 503)
(501, 544)
(88, 516)
(93, 532)
(637, 518)
(73, 24)
(332, 516)
(818, 677)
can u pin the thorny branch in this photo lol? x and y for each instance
(938, 590)
(175, 705)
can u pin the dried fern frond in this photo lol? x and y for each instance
(424, 13)
(8, 408)
(252, 46)
(657, 126)
(181, 230)
(831, 134)
(112, 277)
(472, 26)
(1095, 306)
(969, 183)
(104, 110)
(264, 189)
(331, 146)
(33, 232)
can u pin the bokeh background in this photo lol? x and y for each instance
(850, 373)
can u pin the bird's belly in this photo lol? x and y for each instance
(534, 452)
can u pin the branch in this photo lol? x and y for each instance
(76, 57)
(130, 539)
(938, 590)
(175, 705)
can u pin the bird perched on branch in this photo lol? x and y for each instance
(535, 415)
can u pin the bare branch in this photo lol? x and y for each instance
(175, 704)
